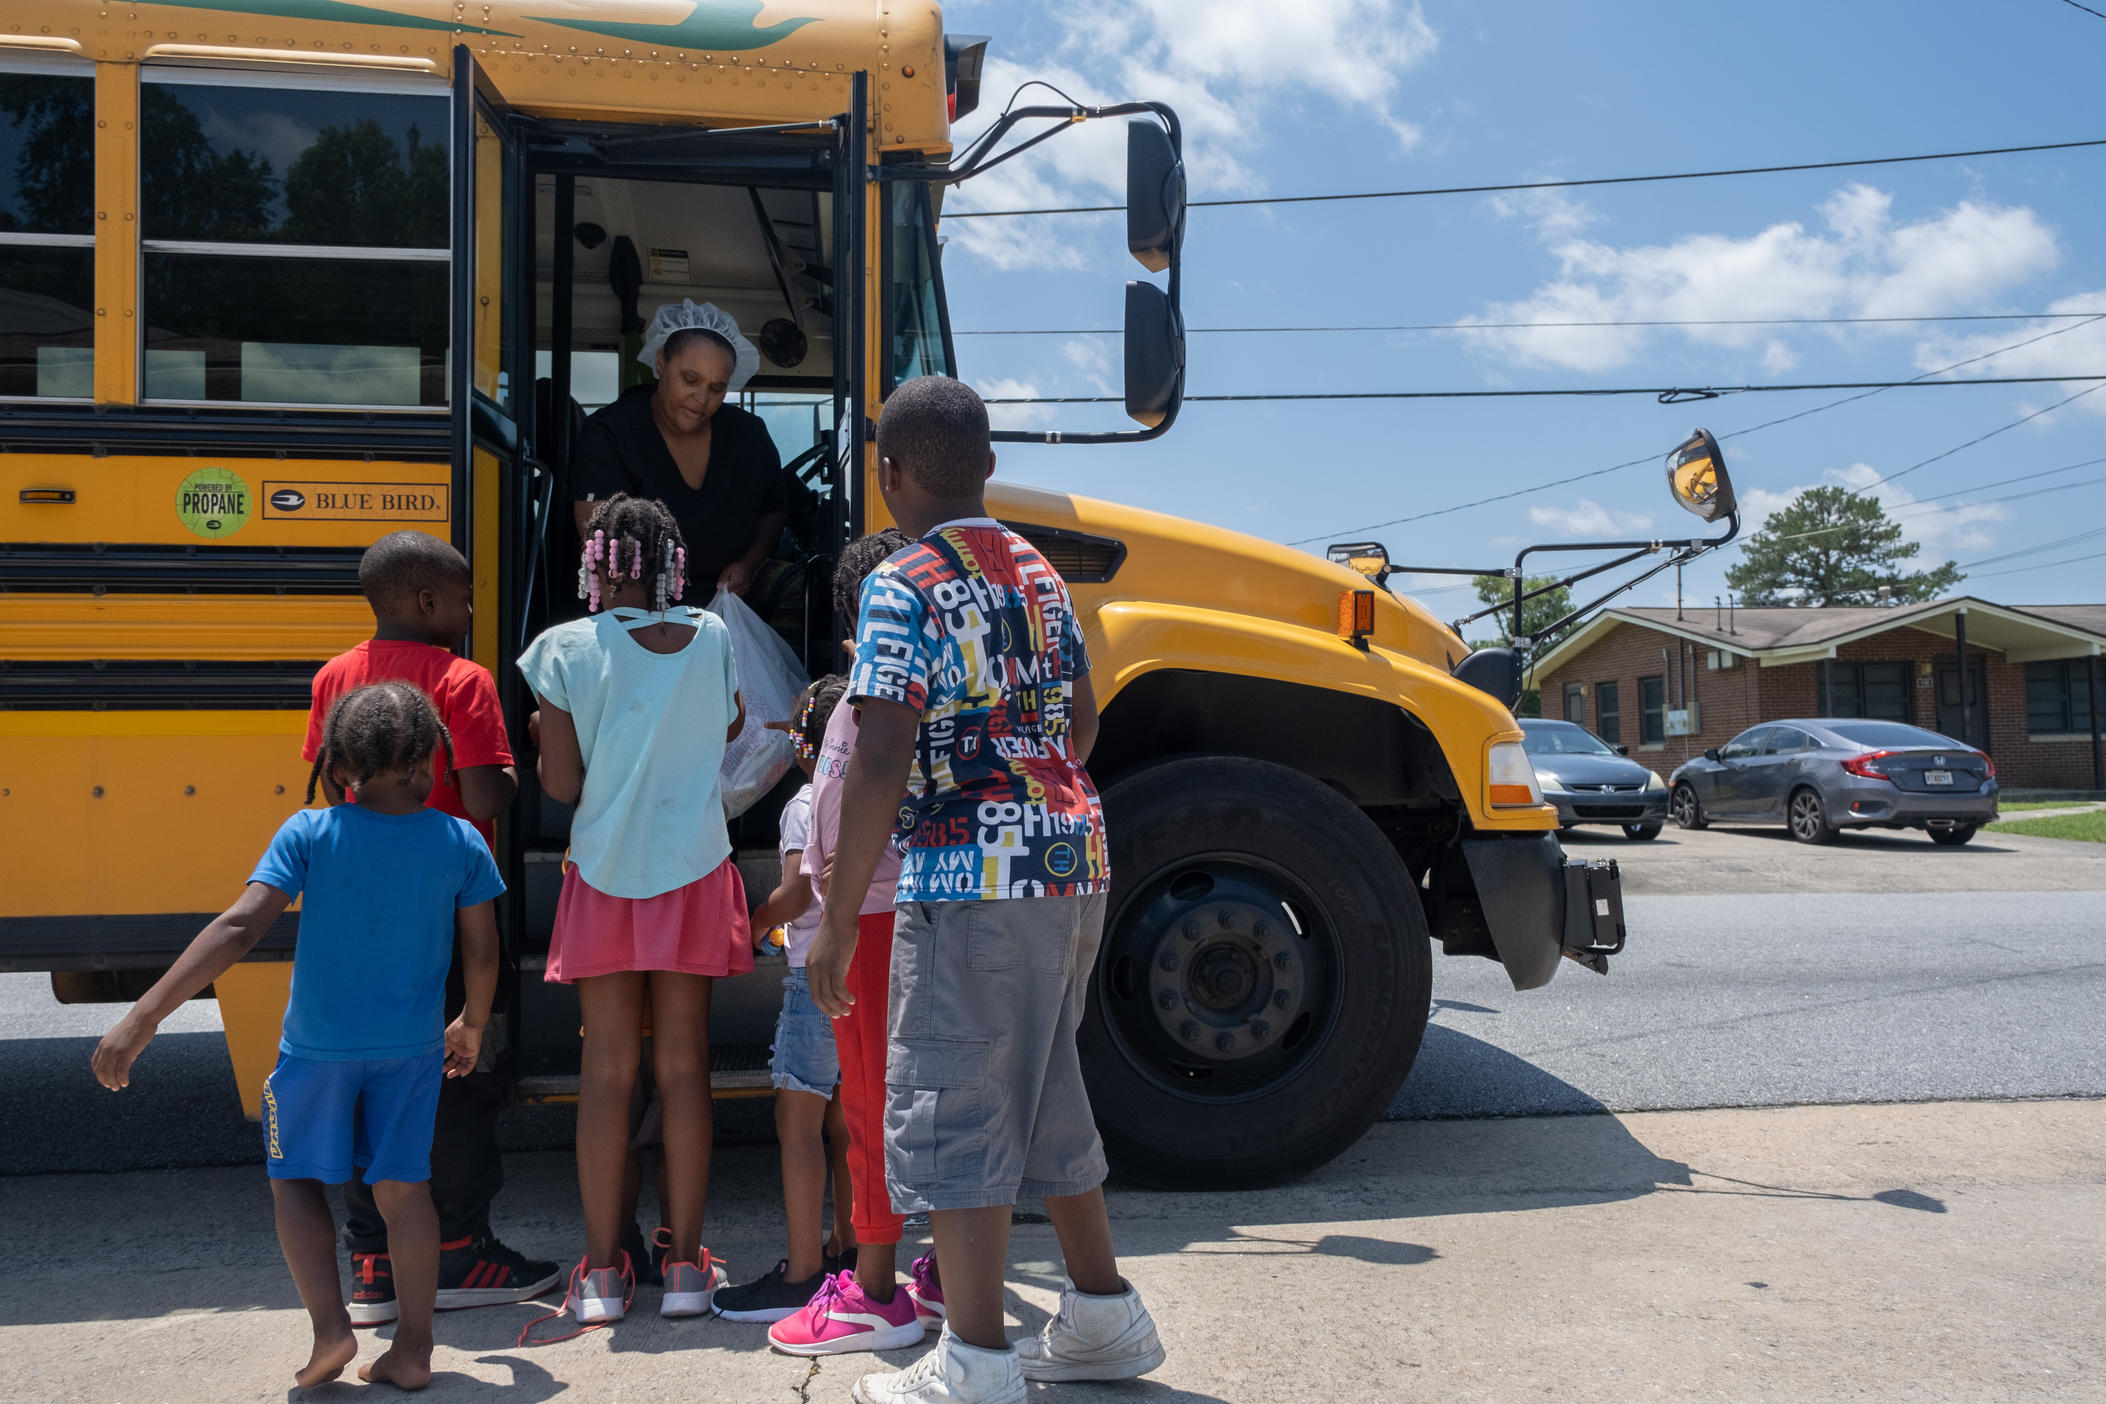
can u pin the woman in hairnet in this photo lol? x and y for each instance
(711, 463)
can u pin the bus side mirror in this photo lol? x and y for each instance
(1696, 475)
(1493, 670)
(1155, 355)
(1155, 196)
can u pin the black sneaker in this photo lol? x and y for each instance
(372, 1289)
(647, 1262)
(844, 1261)
(483, 1272)
(768, 1298)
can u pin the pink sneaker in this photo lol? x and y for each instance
(926, 1291)
(840, 1319)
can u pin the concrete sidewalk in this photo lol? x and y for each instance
(1943, 1251)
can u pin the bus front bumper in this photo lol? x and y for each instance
(1540, 906)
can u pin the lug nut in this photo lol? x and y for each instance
(1191, 929)
(1262, 930)
(1167, 999)
(1168, 960)
(1227, 919)
(1190, 1030)
(1260, 1029)
(1282, 998)
(1282, 961)
(1225, 1042)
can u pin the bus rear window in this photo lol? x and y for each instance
(47, 234)
(294, 241)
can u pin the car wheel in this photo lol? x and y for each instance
(1953, 835)
(1265, 977)
(1687, 810)
(1808, 817)
(1639, 833)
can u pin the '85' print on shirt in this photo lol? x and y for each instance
(972, 628)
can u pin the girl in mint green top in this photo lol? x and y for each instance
(637, 705)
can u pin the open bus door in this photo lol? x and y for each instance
(565, 164)
(500, 488)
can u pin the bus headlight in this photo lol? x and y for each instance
(1509, 778)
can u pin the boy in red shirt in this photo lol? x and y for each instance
(420, 591)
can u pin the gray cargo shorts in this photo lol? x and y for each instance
(983, 1087)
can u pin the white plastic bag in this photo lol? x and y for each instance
(770, 679)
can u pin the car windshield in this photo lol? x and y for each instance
(1891, 734)
(1562, 739)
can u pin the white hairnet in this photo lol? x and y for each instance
(685, 314)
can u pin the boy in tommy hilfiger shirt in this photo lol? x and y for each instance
(975, 700)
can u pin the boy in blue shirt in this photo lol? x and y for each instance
(973, 684)
(387, 884)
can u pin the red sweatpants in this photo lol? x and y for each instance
(860, 1039)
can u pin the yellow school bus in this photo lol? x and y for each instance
(280, 276)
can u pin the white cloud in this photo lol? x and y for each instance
(1012, 416)
(1223, 65)
(1095, 360)
(1589, 518)
(1862, 264)
(1940, 528)
(2056, 346)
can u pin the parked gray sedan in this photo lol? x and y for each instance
(1592, 782)
(1820, 776)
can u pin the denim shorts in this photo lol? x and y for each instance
(984, 1099)
(805, 1058)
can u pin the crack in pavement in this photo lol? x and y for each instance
(804, 1386)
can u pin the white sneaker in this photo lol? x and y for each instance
(1093, 1338)
(953, 1373)
(691, 1288)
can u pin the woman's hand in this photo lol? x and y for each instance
(464, 1047)
(737, 578)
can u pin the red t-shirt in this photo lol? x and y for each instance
(464, 692)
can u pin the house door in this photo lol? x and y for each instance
(1948, 675)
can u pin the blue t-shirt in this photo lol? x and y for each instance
(376, 926)
(974, 630)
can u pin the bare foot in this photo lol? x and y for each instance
(398, 1368)
(331, 1354)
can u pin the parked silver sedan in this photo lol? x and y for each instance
(1821, 776)
(1592, 782)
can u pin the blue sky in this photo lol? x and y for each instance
(1308, 96)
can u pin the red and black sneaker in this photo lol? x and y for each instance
(483, 1272)
(372, 1289)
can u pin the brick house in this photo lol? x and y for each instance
(1677, 683)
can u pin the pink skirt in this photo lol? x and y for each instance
(699, 929)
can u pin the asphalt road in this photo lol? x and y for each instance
(1744, 997)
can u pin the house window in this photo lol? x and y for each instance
(1876, 690)
(1608, 720)
(1652, 711)
(1576, 703)
(2058, 697)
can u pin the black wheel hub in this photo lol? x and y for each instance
(1219, 978)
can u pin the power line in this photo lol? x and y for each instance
(2095, 14)
(2000, 429)
(1546, 184)
(2075, 539)
(1921, 507)
(1667, 395)
(1531, 326)
(1654, 457)
(2045, 565)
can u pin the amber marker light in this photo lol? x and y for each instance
(1356, 616)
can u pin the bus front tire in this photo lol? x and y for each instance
(1265, 978)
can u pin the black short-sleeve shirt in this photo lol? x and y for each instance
(622, 450)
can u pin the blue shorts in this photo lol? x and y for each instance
(322, 1117)
(806, 1059)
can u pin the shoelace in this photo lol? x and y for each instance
(570, 1294)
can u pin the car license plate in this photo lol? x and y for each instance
(1937, 777)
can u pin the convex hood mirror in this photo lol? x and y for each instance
(1696, 474)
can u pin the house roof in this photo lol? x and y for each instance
(1775, 636)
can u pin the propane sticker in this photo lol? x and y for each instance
(214, 502)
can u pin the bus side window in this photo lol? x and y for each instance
(295, 237)
(47, 230)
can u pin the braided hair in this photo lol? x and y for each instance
(858, 558)
(820, 699)
(632, 538)
(377, 728)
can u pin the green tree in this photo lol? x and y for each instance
(54, 176)
(1833, 546)
(187, 190)
(1544, 609)
(358, 185)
